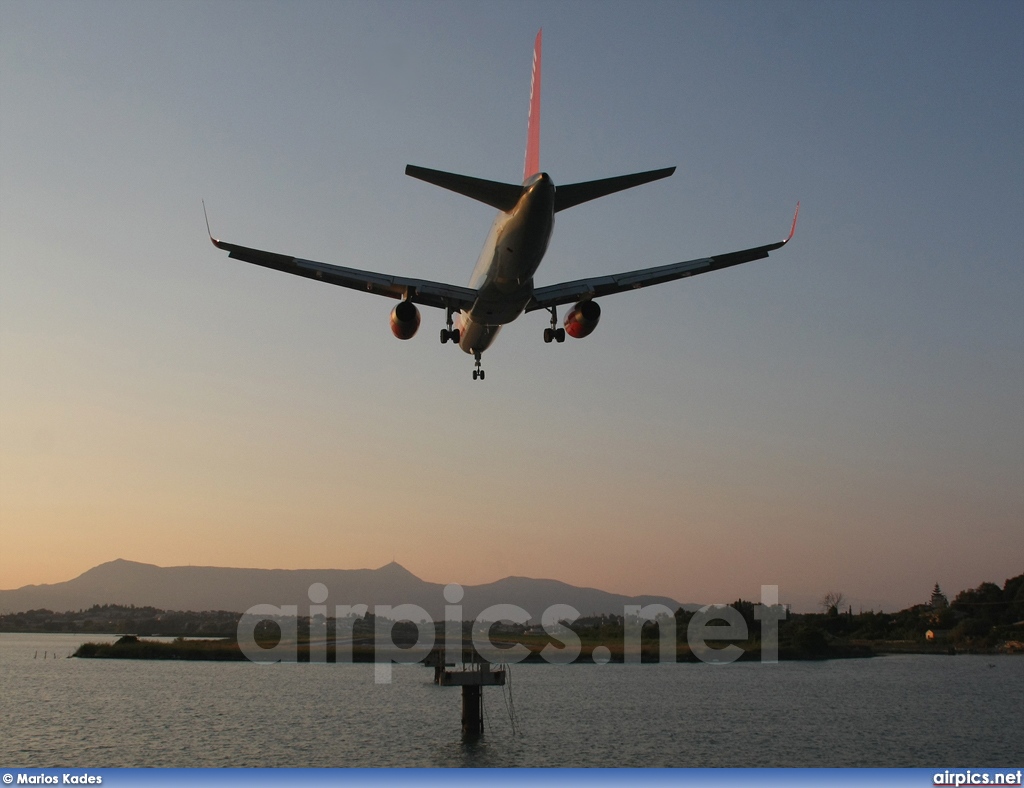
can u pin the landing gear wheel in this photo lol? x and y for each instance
(476, 374)
(449, 333)
(554, 333)
(481, 374)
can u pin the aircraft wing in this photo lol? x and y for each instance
(419, 291)
(594, 287)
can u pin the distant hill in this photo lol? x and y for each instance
(219, 588)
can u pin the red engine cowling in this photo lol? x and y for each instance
(405, 319)
(582, 319)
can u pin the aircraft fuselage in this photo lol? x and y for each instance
(503, 275)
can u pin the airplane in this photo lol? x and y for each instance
(501, 287)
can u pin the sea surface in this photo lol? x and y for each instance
(928, 711)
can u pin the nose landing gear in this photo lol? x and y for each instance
(478, 372)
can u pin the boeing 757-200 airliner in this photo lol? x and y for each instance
(501, 288)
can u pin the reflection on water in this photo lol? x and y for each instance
(888, 711)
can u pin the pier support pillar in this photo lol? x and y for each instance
(472, 710)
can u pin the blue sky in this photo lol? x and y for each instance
(845, 415)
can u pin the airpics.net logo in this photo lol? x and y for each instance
(968, 777)
(711, 623)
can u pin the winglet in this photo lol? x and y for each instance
(532, 164)
(792, 230)
(213, 240)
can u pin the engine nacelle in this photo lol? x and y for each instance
(582, 319)
(405, 319)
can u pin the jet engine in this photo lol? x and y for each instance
(582, 319)
(405, 319)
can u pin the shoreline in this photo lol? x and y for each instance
(131, 647)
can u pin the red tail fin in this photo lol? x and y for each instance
(533, 126)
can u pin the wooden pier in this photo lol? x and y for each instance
(476, 674)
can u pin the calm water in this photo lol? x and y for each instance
(888, 711)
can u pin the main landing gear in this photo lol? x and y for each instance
(554, 333)
(477, 373)
(450, 333)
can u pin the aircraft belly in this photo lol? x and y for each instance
(476, 337)
(495, 312)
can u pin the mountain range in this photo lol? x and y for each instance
(201, 588)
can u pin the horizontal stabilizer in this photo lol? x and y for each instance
(502, 196)
(575, 193)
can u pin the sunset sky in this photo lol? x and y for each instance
(846, 415)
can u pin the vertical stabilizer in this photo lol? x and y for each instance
(532, 166)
